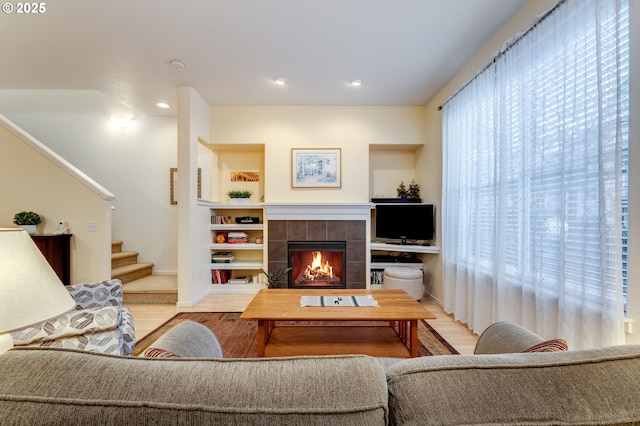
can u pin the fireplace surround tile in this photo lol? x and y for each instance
(351, 231)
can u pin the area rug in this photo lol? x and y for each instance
(238, 337)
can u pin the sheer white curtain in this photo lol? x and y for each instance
(534, 180)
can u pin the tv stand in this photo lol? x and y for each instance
(380, 262)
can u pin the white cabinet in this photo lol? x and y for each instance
(237, 249)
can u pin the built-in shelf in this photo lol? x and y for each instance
(237, 227)
(257, 264)
(406, 248)
(248, 257)
(234, 247)
(384, 265)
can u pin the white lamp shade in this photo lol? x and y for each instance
(30, 290)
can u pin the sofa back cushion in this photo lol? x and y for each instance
(599, 386)
(74, 386)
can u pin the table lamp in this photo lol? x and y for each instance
(30, 290)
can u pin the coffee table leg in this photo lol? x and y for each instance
(413, 331)
(263, 332)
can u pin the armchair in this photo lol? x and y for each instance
(99, 322)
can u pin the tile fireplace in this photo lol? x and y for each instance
(317, 264)
(344, 223)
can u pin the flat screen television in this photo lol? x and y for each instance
(406, 223)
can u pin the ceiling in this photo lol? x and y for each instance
(404, 50)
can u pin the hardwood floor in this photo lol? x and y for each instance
(148, 317)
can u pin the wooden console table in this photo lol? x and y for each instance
(57, 250)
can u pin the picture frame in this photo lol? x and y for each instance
(316, 168)
(173, 178)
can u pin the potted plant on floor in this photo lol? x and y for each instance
(274, 278)
(239, 196)
(27, 220)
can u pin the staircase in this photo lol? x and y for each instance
(139, 285)
(125, 266)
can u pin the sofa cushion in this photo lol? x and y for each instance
(506, 337)
(72, 323)
(98, 294)
(80, 387)
(104, 342)
(158, 353)
(107, 330)
(189, 339)
(553, 345)
(598, 386)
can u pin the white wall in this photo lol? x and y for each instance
(352, 129)
(194, 236)
(33, 182)
(131, 163)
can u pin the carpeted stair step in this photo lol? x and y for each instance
(116, 246)
(132, 272)
(153, 289)
(123, 258)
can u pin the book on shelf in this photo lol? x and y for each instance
(221, 220)
(237, 237)
(222, 257)
(239, 279)
(220, 276)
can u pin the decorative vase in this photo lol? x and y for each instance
(31, 229)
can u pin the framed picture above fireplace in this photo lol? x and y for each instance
(316, 168)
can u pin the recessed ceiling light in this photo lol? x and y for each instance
(356, 81)
(280, 80)
(163, 105)
(177, 65)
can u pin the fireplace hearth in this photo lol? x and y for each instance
(317, 264)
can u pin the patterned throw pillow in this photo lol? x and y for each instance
(159, 353)
(553, 345)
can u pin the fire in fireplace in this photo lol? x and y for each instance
(317, 264)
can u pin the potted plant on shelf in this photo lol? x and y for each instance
(411, 195)
(27, 221)
(401, 191)
(239, 196)
(414, 191)
(274, 278)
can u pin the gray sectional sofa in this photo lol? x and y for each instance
(58, 386)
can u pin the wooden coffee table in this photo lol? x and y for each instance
(336, 329)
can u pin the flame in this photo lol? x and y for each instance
(317, 269)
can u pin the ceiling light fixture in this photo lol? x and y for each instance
(177, 65)
(163, 105)
(280, 80)
(356, 82)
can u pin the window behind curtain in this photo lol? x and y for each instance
(535, 186)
